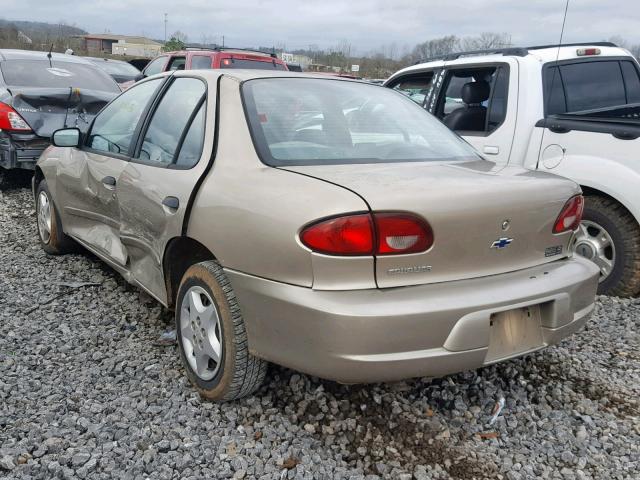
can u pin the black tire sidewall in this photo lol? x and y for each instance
(215, 381)
(596, 215)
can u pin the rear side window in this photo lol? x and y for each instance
(191, 148)
(170, 119)
(113, 128)
(581, 86)
(303, 121)
(39, 73)
(416, 87)
(252, 64)
(200, 62)
(155, 66)
(631, 81)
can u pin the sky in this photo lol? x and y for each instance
(367, 25)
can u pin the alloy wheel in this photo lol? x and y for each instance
(44, 217)
(595, 243)
(201, 333)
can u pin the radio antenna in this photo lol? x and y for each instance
(556, 71)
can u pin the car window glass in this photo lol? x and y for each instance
(155, 66)
(191, 148)
(57, 74)
(554, 92)
(114, 126)
(177, 63)
(170, 119)
(631, 81)
(415, 87)
(252, 64)
(326, 122)
(590, 85)
(498, 103)
(200, 62)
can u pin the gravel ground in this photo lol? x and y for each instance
(86, 391)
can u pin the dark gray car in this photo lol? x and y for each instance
(41, 93)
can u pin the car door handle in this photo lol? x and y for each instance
(491, 150)
(109, 181)
(171, 202)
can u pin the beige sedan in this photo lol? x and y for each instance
(326, 225)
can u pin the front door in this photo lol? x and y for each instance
(155, 187)
(474, 102)
(87, 177)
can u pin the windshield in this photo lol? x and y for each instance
(117, 68)
(305, 121)
(39, 73)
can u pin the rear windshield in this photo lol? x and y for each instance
(117, 68)
(39, 73)
(305, 121)
(252, 64)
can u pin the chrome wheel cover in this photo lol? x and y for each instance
(594, 242)
(44, 217)
(200, 332)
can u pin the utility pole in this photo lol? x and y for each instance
(165, 28)
(222, 41)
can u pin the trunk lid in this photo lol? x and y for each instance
(466, 204)
(49, 109)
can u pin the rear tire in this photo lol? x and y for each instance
(617, 225)
(212, 337)
(52, 238)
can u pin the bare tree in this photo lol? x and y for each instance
(487, 40)
(435, 47)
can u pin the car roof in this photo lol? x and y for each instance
(242, 75)
(542, 54)
(14, 54)
(100, 59)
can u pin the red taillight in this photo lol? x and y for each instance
(348, 235)
(365, 234)
(402, 233)
(582, 52)
(570, 216)
(11, 120)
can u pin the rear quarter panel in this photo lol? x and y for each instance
(599, 161)
(249, 214)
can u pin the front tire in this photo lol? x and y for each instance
(212, 337)
(52, 238)
(610, 236)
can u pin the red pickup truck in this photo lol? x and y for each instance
(219, 57)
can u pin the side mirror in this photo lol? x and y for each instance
(66, 137)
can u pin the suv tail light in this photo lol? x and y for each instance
(570, 216)
(11, 120)
(369, 234)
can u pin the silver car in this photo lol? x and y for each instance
(330, 226)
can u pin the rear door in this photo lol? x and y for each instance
(154, 188)
(494, 137)
(87, 177)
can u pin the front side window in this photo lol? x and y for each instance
(200, 62)
(416, 87)
(177, 63)
(155, 66)
(113, 128)
(326, 122)
(162, 138)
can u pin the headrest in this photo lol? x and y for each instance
(475, 92)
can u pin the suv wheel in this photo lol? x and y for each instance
(212, 337)
(52, 238)
(610, 237)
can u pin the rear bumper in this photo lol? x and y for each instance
(21, 152)
(390, 334)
